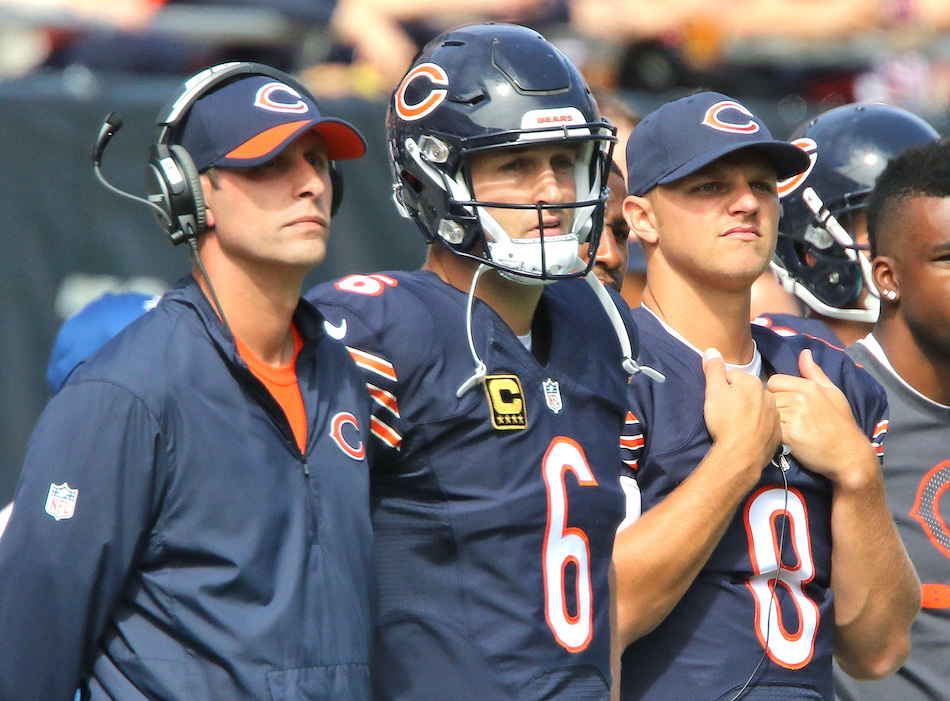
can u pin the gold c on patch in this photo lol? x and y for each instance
(506, 400)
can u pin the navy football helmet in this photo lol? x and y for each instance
(816, 257)
(495, 86)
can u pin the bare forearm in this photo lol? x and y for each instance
(616, 650)
(877, 592)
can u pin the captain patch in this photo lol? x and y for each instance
(506, 399)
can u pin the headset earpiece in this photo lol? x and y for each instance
(174, 185)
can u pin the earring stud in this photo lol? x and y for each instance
(890, 295)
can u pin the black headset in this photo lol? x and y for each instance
(172, 180)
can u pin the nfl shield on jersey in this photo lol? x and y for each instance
(61, 501)
(494, 512)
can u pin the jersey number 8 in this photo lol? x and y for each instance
(791, 647)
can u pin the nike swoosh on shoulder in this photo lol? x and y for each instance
(337, 332)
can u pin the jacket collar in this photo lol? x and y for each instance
(187, 291)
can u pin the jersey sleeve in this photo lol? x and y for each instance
(631, 448)
(82, 510)
(360, 315)
(868, 399)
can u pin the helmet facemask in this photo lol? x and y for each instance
(470, 230)
(553, 255)
(838, 269)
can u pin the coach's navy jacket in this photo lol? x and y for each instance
(170, 541)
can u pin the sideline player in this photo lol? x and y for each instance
(610, 262)
(909, 354)
(89, 328)
(821, 254)
(500, 400)
(192, 518)
(751, 564)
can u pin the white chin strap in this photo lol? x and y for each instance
(629, 363)
(867, 314)
(524, 255)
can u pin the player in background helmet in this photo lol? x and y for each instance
(491, 587)
(820, 255)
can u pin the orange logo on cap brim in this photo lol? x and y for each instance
(266, 141)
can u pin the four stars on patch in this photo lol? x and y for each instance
(507, 402)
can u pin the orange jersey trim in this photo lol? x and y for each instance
(373, 363)
(386, 434)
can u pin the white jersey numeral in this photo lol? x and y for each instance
(371, 285)
(790, 644)
(565, 546)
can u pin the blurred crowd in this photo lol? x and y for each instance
(824, 52)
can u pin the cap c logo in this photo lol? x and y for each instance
(436, 96)
(265, 100)
(789, 185)
(713, 119)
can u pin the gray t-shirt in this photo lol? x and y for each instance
(916, 475)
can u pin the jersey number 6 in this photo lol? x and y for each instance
(564, 546)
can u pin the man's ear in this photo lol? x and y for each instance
(884, 273)
(208, 188)
(638, 213)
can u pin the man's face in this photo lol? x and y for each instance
(921, 264)
(542, 174)
(717, 227)
(277, 213)
(610, 261)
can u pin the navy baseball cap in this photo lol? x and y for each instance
(687, 134)
(96, 323)
(251, 120)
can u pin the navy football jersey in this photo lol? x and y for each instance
(494, 512)
(791, 325)
(729, 621)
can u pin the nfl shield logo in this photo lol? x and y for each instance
(552, 395)
(61, 501)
